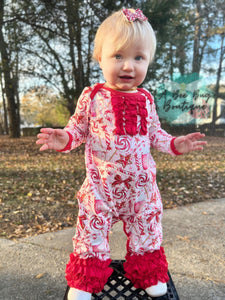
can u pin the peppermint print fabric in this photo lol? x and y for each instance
(120, 181)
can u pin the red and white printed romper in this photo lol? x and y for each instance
(119, 128)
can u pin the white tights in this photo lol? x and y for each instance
(75, 294)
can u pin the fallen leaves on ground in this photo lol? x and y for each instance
(38, 189)
(194, 177)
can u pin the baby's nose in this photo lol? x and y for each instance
(128, 65)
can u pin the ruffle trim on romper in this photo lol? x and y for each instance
(126, 108)
(90, 274)
(146, 270)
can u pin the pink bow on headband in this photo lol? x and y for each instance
(132, 16)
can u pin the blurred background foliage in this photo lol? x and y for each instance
(46, 53)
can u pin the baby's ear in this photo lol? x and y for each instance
(100, 61)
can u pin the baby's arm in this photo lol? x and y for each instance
(54, 139)
(189, 142)
(164, 142)
(73, 134)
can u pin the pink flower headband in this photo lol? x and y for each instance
(132, 16)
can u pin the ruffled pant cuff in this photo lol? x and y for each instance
(89, 274)
(146, 270)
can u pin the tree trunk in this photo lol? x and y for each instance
(14, 125)
(218, 78)
(182, 58)
(75, 37)
(196, 62)
(5, 122)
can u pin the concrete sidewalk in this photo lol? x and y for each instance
(194, 241)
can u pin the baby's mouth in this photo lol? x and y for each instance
(126, 77)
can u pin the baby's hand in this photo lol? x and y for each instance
(55, 139)
(189, 142)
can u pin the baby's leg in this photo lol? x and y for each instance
(146, 265)
(88, 269)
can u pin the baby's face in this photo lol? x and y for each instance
(126, 68)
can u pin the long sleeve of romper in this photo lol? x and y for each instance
(159, 138)
(78, 124)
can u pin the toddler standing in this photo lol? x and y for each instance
(119, 124)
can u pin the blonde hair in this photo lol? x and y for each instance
(123, 33)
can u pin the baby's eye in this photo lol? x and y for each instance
(138, 57)
(118, 56)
